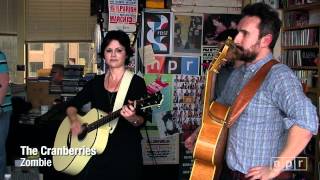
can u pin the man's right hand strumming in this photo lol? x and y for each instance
(189, 143)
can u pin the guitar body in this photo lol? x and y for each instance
(210, 146)
(209, 149)
(97, 139)
(93, 140)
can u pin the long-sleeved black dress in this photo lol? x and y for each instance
(122, 158)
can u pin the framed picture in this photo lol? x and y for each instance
(164, 150)
(156, 31)
(214, 24)
(122, 16)
(187, 33)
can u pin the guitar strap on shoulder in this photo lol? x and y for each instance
(248, 92)
(121, 95)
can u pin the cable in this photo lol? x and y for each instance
(154, 160)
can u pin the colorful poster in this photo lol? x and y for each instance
(166, 92)
(156, 31)
(166, 123)
(214, 24)
(208, 54)
(181, 109)
(175, 65)
(155, 4)
(123, 15)
(187, 33)
(187, 103)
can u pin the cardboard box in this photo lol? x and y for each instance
(38, 94)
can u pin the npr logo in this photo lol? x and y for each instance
(175, 65)
(297, 164)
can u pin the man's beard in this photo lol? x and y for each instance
(245, 55)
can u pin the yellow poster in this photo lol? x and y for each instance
(156, 4)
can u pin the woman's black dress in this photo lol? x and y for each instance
(122, 158)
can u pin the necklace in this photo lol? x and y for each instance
(111, 94)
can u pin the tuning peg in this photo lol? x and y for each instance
(216, 71)
(224, 59)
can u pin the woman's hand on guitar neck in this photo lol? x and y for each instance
(129, 113)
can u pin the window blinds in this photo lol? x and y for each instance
(8, 17)
(59, 20)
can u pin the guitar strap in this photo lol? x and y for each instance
(248, 92)
(121, 95)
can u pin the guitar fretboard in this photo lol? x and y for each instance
(150, 101)
(103, 120)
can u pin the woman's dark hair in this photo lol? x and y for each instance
(122, 38)
(269, 20)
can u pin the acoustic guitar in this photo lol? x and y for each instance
(209, 149)
(77, 150)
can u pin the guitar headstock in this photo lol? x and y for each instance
(220, 59)
(152, 100)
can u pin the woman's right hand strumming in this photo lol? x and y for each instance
(76, 126)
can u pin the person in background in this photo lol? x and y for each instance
(279, 120)
(56, 73)
(220, 80)
(122, 158)
(5, 111)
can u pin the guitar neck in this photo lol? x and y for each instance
(150, 101)
(103, 121)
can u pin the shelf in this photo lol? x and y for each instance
(303, 7)
(304, 67)
(313, 90)
(296, 21)
(308, 26)
(300, 47)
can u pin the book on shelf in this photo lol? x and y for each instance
(307, 77)
(308, 57)
(290, 3)
(296, 18)
(314, 16)
(304, 37)
(300, 57)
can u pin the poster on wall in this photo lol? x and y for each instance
(160, 150)
(187, 33)
(187, 103)
(182, 108)
(214, 24)
(180, 111)
(156, 31)
(166, 92)
(166, 123)
(208, 54)
(122, 15)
